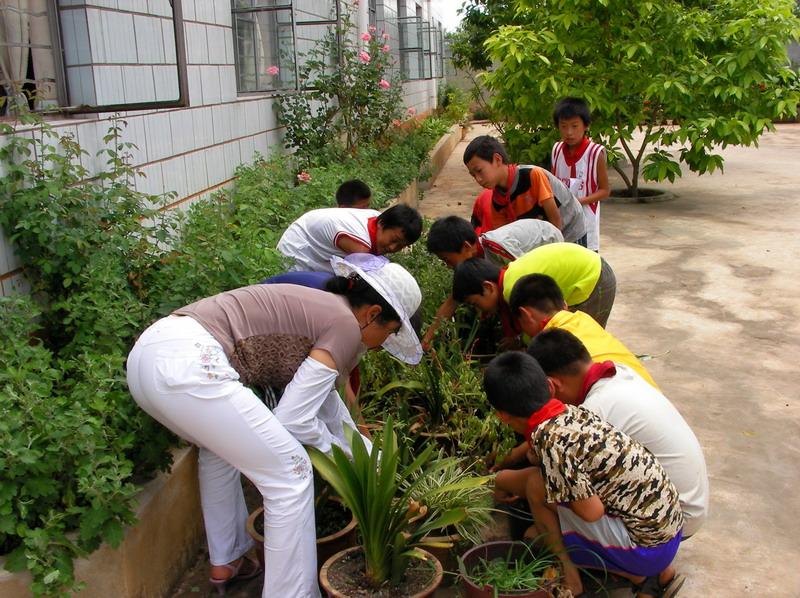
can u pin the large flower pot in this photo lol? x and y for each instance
(488, 552)
(326, 545)
(333, 568)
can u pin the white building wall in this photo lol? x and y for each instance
(189, 152)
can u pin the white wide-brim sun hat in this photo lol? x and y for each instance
(395, 284)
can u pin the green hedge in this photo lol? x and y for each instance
(103, 263)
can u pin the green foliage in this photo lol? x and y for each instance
(350, 97)
(103, 263)
(379, 489)
(453, 104)
(515, 573)
(689, 76)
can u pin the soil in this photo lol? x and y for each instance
(347, 576)
(331, 518)
(643, 192)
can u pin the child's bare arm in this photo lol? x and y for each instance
(445, 312)
(589, 509)
(551, 212)
(517, 454)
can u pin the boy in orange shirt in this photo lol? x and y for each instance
(519, 191)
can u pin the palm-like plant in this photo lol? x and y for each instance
(379, 488)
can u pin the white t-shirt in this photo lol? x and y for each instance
(510, 241)
(634, 407)
(310, 241)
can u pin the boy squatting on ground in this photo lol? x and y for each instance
(619, 396)
(585, 279)
(580, 163)
(314, 238)
(599, 499)
(538, 305)
(453, 240)
(515, 192)
(353, 194)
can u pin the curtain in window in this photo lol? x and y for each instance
(24, 33)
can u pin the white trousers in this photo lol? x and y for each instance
(179, 374)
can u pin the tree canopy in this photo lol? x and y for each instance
(695, 75)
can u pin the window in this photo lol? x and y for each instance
(420, 49)
(28, 70)
(271, 34)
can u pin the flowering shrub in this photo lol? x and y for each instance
(349, 98)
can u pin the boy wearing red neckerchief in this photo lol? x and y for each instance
(580, 163)
(599, 499)
(517, 191)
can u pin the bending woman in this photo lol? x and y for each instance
(191, 371)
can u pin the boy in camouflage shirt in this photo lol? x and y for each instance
(599, 498)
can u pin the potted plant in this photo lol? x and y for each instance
(508, 569)
(464, 493)
(378, 489)
(336, 526)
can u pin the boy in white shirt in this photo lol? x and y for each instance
(314, 238)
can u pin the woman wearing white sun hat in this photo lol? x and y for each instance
(191, 372)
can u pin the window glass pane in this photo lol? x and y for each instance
(243, 4)
(264, 43)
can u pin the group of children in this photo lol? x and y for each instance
(614, 476)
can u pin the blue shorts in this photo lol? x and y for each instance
(606, 544)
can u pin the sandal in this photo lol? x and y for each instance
(236, 574)
(652, 587)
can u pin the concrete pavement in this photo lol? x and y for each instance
(708, 287)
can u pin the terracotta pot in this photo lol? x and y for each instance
(326, 545)
(334, 593)
(489, 551)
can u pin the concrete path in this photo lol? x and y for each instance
(708, 286)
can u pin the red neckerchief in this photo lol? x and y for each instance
(479, 247)
(372, 229)
(504, 199)
(510, 326)
(571, 157)
(597, 371)
(549, 410)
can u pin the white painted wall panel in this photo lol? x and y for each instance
(166, 82)
(149, 40)
(180, 122)
(159, 136)
(209, 82)
(203, 127)
(196, 43)
(196, 173)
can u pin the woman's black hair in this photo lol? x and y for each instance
(469, 276)
(358, 292)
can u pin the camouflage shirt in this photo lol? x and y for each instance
(582, 456)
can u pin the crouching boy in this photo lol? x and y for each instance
(599, 498)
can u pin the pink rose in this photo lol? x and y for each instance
(396, 122)
(384, 83)
(273, 70)
(365, 37)
(356, 2)
(364, 57)
(385, 35)
(304, 177)
(411, 111)
(372, 29)
(385, 48)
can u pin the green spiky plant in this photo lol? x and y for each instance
(379, 487)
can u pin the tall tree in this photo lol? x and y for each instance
(693, 75)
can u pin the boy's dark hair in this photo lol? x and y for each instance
(359, 292)
(469, 276)
(351, 192)
(538, 291)
(449, 234)
(559, 352)
(570, 108)
(403, 217)
(516, 384)
(485, 147)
